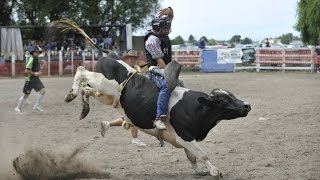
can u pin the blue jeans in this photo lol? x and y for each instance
(164, 94)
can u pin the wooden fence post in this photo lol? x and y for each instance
(283, 60)
(313, 59)
(60, 63)
(13, 64)
(92, 54)
(49, 63)
(72, 52)
(83, 59)
(258, 60)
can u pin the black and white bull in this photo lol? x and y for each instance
(191, 115)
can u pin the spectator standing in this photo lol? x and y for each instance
(201, 43)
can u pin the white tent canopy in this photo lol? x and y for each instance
(11, 41)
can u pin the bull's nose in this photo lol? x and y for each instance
(247, 106)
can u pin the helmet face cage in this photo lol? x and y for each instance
(161, 25)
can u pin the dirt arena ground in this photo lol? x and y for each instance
(278, 140)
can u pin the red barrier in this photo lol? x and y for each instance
(187, 58)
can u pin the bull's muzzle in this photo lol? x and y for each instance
(247, 106)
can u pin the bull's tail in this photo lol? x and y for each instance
(67, 24)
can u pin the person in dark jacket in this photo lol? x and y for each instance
(201, 43)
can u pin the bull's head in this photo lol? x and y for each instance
(225, 105)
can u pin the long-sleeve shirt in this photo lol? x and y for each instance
(153, 47)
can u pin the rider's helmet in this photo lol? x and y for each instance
(161, 25)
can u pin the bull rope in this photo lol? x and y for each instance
(128, 79)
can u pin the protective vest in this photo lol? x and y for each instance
(165, 48)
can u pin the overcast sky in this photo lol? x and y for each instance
(221, 19)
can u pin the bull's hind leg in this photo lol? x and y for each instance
(200, 155)
(85, 104)
(86, 92)
(98, 82)
(73, 93)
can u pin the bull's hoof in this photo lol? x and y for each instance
(203, 173)
(85, 105)
(85, 111)
(70, 97)
(217, 175)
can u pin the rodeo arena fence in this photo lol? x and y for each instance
(206, 60)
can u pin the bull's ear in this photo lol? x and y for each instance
(203, 101)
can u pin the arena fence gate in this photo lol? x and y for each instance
(282, 59)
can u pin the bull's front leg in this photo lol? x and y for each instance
(193, 160)
(197, 154)
(73, 93)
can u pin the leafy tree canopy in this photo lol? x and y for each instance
(177, 40)
(308, 24)
(192, 40)
(286, 38)
(6, 8)
(235, 39)
(212, 42)
(84, 12)
(246, 41)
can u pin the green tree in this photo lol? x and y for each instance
(31, 12)
(286, 38)
(212, 42)
(308, 24)
(127, 11)
(192, 40)
(88, 12)
(177, 40)
(205, 39)
(246, 41)
(57, 9)
(6, 8)
(235, 39)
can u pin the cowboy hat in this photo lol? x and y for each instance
(35, 49)
(131, 53)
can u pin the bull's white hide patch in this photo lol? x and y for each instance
(176, 96)
(127, 66)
